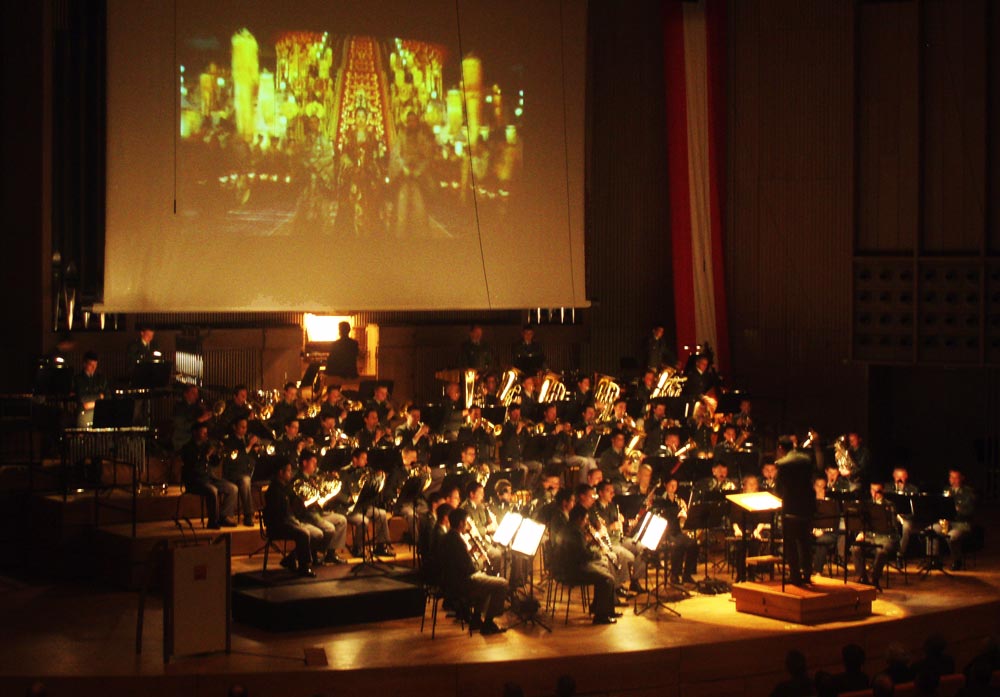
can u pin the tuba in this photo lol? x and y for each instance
(552, 389)
(510, 386)
(606, 392)
(845, 463)
(668, 384)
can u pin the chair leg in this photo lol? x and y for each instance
(569, 600)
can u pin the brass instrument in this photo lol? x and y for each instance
(218, 408)
(633, 456)
(606, 392)
(551, 389)
(842, 456)
(316, 493)
(510, 386)
(668, 384)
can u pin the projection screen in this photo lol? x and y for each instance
(341, 155)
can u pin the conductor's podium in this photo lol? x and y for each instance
(826, 600)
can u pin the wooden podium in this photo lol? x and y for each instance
(826, 600)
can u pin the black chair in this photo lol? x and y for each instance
(180, 499)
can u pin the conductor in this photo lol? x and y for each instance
(794, 487)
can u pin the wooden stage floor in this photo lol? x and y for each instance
(59, 631)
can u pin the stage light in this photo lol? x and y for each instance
(324, 327)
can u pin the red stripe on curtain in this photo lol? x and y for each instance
(677, 173)
(716, 41)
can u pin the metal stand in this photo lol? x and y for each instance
(524, 604)
(653, 599)
(369, 562)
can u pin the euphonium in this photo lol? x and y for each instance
(510, 386)
(606, 391)
(845, 463)
(552, 389)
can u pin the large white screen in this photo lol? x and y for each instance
(319, 156)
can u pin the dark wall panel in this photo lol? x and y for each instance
(954, 131)
(888, 126)
(789, 244)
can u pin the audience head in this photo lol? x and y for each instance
(853, 657)
(882, 686)
(565, 686)
(795, 663)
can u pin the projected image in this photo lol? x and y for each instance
(308, 133)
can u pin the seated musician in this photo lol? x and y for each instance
(333, 403)
(426, 523)
(729, 442)
(238, 463)
(612, 463)
(861, 456)
(825, 533)
(482, 521)
(835, 484)
(769, 477)
(364, 512)
(380, 403)
(237, 407)
(281, 523)
(529, 398)
(309, 485)
(287, 409)
(463, 579)
(474, 432)
(542, 505)
(683, 549)
(556, 437)
(619, 418)
(644, 485)
(656, 426)
(586, 497)
(489, 389)
(328, 435)
(454, 412)
(372, 434)
(644, 390)
(558, 517)
(577, 562)
(718, 482)
(503, 499)
(960, 528)
(514, 438)
(406, 505)
(290, 443)
(188, 412)
(586, 437)
(606, 516)
(199, 456)
(902, 486)
(579, 400)
(90, 386)
(415, 433)
(886, 544)
(438, 530)
(748, 528)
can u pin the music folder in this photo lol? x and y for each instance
(756, 501)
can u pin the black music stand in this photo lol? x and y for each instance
(523, 546)
(927, 510)
(704, 516)
(757, 502)
(151, 375)
(649, 536)
(369, 562)
(53, 380)
(114, 413)
(827, 516)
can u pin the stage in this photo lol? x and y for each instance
(59, 631)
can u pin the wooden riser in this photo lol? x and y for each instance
(825, 601)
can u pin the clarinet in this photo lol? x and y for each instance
(605, 546)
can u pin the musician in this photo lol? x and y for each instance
(414, 433)
(474, 433)
(333, 404)
(489, 390)
(454, 412)
(644, 485)
(577, 562)
(514, 438)
(88, 387)
(656, 426)
(288, 446)
(743, 419)
(901, 486)
(606, 516)
(700, 378)
(238, 463)
(187, 412)
(580, 399)
(704, 427)
(473, 354)
(380, 402)
(482, 520)
(825, 535)
(718, 482)
(142, 349)
(198, 457)
(287, 409)
(307, 484)
(683, 549)
(835, 484)
(769, 477)
(748, 528)
(462, 579)
(612, 463)
(328, 434)
(885, 544)
(426, 522)
(528, 356)
(729, 444)
(656, 351)
(343, 359)
(372, 434)
(281, 523)
(529, 398)
(644, 390)
(556, 436)
(503, 499)
(794, 487)
(862, 458)
(556, 517)
(411, 506)
(960, 528)
(437, 531)
(541, 506)
(237, 407)
(586, 437)
(365, 512)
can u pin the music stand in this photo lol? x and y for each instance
(705, 515)
(151, 375)
(649, 537)
(53, 380)
(524, 543)
(827, 516)
(758, 502)
(369, 496)
(927, 510)
(114, 413)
